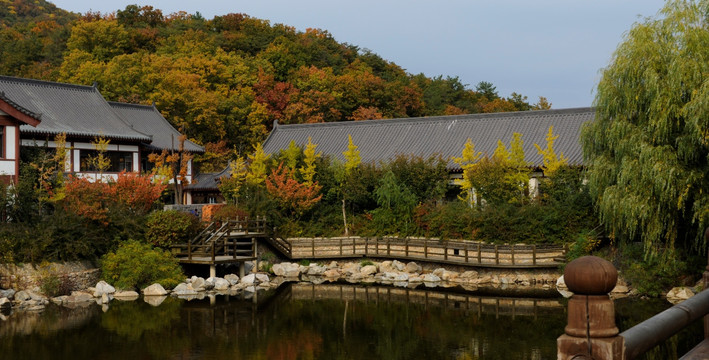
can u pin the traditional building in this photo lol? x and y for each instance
(34, 112)
(383, 140)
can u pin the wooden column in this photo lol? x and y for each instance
(590, 332)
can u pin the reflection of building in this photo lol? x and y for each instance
(33, 112)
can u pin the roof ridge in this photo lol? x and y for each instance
(46, 83)
(19, 107)
(118, 103)
(441, 118)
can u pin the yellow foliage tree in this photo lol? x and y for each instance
(257, 169)
(467, 161)
(307, 171)
(552, 161)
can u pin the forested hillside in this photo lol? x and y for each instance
(224, 81)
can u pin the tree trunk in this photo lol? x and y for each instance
(344, 217)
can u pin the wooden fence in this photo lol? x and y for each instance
(458, 252)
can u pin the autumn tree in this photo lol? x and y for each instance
(551, 160)
(345, 176)
(647, 149)
(467, 162)
(173, 166)
(291, 195)
(307, 171)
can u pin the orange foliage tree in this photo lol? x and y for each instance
(92, 200)
(292, 195)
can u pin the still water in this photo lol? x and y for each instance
(307, 321)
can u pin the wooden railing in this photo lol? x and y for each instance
(591, 332)
(445, 251)
(230, 238)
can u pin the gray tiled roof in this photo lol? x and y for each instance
(208, 181)
(67, 108)
(19, 108)
(147, 119)
(382, 140)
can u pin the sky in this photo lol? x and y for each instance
(550, 48)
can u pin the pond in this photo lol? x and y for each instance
(308, 321)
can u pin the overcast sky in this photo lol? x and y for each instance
(551, 48)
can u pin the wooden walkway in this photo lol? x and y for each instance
(235, 241)
(224, 242)
(455, 252)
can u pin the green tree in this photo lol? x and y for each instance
(648, 148)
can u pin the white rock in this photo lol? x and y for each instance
(106, 298)
(398, 265)
(5, 303)
(332, 273)
(368, 270)
(198, 284)
(102, 288)
(221, 284)
(184, 289)
(262, 278)
(22, 295)
(278, 270)
(316, 270)
(9, 293)
(248, 279)
(679, 294)
(413, 268)
(126, 295)
(401, 277)
(560, 283)
(431, 278)
(233, 279)
(470, 274)
(154, 290)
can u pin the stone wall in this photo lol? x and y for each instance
(81, 274)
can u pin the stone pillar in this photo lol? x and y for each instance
(242, 270)
(591, 332)
(212, 270)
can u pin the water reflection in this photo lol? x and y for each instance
(304, 321)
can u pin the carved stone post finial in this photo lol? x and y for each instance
(591, 328)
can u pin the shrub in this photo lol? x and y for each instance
(366, 262)
(169, 227)
(228, 212)
(137, 265)
(54, 285)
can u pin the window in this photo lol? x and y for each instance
(118, 160)
(2, 142)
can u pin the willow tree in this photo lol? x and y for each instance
(648, 148)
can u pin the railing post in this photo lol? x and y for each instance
(480, 253)
(512, 253)
(534, 254)
(445, 250)
(425, 249)
(341, 239)
(497, 256)
(590, 332)
(388, 246)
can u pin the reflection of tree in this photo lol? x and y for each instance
(133, 319)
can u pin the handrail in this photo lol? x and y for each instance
(449, 251)
(651, 332)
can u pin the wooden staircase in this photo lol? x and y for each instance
(232, 240)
